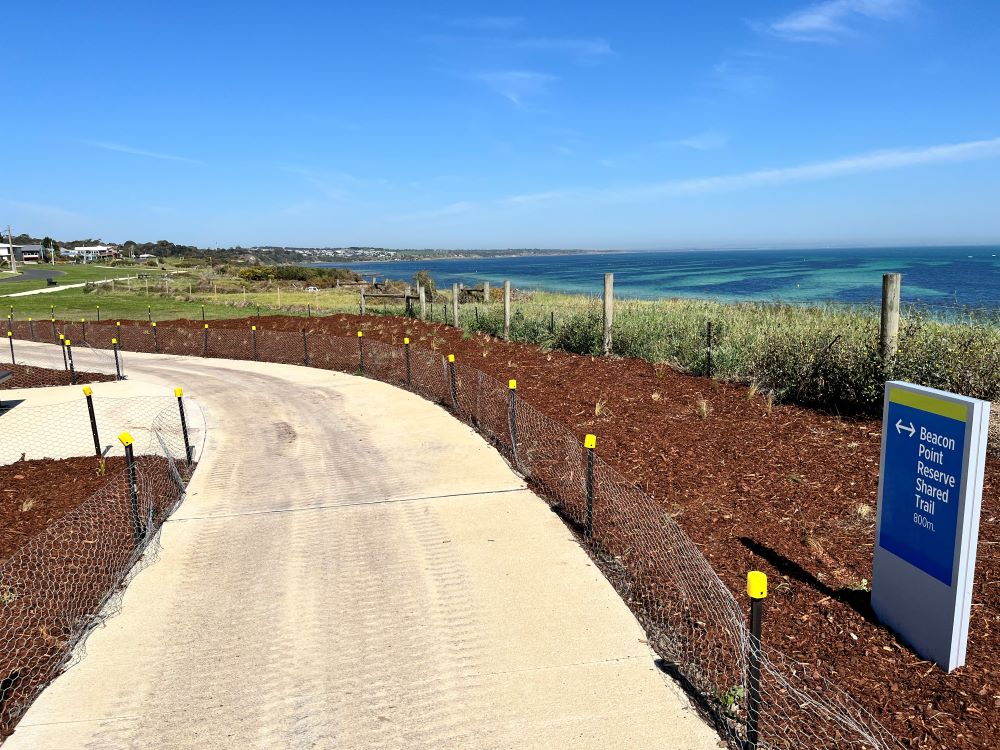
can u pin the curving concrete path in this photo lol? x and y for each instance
(354, 568)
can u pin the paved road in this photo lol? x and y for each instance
(353, 568)
(31, 272)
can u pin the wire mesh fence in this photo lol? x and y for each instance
(67, 578)
(693, 621)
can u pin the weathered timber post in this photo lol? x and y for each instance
(454, 305)
(609, 311)
(506, 309)
(362, 308)
(486, 292)
(889, 332)
(422, 294)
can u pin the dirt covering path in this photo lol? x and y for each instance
(781, 488)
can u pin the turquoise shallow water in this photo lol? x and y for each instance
(943, 277)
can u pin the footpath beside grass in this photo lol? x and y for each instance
(70, 273)
(824, 355)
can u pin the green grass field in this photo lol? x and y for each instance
(67, 273)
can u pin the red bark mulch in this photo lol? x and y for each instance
(29, 376)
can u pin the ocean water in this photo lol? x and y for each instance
(939, 277)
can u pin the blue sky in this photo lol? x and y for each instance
(543, 124)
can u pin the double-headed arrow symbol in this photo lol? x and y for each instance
(901, 428)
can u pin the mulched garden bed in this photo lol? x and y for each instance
(65, 541)
(783, 489)
(29, 376)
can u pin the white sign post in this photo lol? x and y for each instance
(929, 495)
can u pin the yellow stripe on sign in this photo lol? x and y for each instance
(928, 403)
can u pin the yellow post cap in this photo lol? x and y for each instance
(87, 391)
(83, 320)
(29, 320)
(67, 342)
(153, 324)
(114, 341)
(406, 340)
(253, 328)
(512, 384)
(206, 325)
(126, 438)
(451, 357)
(178, 392)
(53, 320)
(118, 322)
(62, 336)
(10, 333)
(360, 334)
(756, 585)
(590, 441)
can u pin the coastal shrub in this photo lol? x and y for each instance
(579, 333)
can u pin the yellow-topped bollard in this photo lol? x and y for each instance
(67, 342)
(88, 391)
(252, 328)
(178, 392)
(10, 333)
(114, 341)
(360, 334)
(756, 585)
(451, 357)
(512, 384)
(406, 340)
(206, 325)
(590, 441)
(153, 324)
(126, 439)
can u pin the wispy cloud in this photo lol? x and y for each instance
(452, 209)
(517, 85)
(490, 23)
(140, 152)
(829, 21)
(710, 140)
(42, 210)
(877, 161)
(583, 50)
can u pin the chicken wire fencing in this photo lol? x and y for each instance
(68, 578)
(692, 620)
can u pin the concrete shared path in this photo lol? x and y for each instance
(354, 568)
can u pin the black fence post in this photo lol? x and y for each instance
(552, 321)
(445, 306)
(83, 329)
(69, 357)
(10, 338)
(118, 367)
(204, 340)
(589, 443)
(149, 314)
(309, 310)
(31, 328)
(305, 348)
(133, 486)
(409, 373)
(757, 591)
(477, 315)
(512, 417)
(54, 333)
(253, 335)
(202, 313)
(98, 313)
(361, 353)
(453, 379)
(93, 419)
(156, 340)
(62, 340)
(708, 361)
(179, 393)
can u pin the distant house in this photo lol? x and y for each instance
(146, 256)
(90, 253)
(22, 253)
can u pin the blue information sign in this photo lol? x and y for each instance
(924, 453)
(930, 491)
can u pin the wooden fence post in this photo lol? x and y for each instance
(362, 301)
(889, 332)
(486, 292)
(454, 305)
(609, 310)
(423, 301)
(506, 309)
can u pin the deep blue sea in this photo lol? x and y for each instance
(943, 277)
